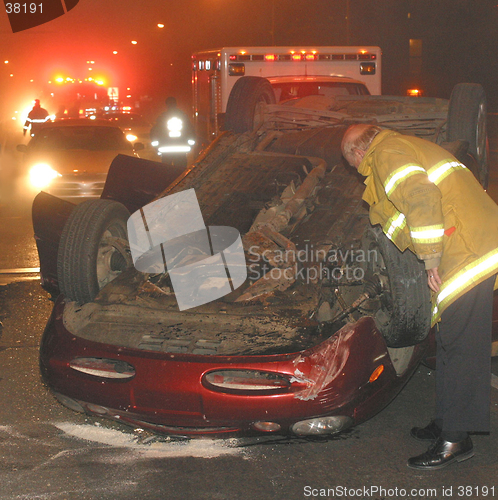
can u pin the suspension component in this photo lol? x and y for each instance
(350, 309)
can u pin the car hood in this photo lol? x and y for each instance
(82, 161)
(136, 130)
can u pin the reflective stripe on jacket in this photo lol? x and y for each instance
(427, 201)
(36, 116)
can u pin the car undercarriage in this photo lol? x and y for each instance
(331, 316)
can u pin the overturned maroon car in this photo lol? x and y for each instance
(332, 319)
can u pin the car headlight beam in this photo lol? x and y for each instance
(41, 175)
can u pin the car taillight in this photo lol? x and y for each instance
(246, 381)
(102, 367)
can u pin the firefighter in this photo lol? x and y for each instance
(36, 117)
(173, 135)
(427, 201)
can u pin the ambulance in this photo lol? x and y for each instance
(293, 72)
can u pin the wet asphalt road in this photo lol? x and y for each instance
(50, 452)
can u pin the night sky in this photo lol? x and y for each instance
(460, 41)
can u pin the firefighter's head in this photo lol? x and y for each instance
(37, 103)
(356, 142)
(171, 102)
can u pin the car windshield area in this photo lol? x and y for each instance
(87, 138)
(127, 120)
(295, 90)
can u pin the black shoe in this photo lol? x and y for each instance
(429, 433)
(442, 453)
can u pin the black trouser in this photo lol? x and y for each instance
(463, 361)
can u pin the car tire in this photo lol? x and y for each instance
(247, 102)
(467, 121)
(403, 309)
(93, 249)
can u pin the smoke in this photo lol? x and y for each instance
(15, 193)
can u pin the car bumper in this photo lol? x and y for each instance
(167, 392)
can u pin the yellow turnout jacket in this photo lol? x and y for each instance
(427, 201)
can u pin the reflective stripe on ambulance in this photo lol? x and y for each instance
(463, 280)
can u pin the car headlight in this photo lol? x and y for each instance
(41, 175)
(131, 137)
(322, 425)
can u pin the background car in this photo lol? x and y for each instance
(136, 129)
(70, 158)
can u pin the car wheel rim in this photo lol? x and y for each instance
(481, 134)
(113, 255)
(259, 113)
(378, 267)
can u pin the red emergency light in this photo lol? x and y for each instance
(414, 92)
(300, 56)
(366, 57)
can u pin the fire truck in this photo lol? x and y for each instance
(292, 72)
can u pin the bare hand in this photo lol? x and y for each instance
(433, 279)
